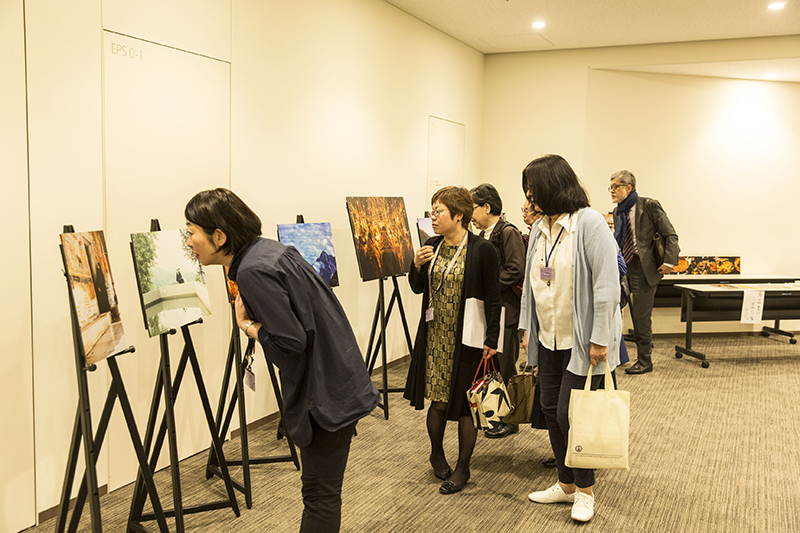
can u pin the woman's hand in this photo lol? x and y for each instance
(488, 352)
(597, 353)
(243, 320)
(241, 313)
(423, 255)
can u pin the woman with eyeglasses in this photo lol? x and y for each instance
(570, 311)
(451, 268)
(291, 311)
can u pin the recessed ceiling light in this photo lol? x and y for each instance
(771, 75)
(538, 24)
(776, 6)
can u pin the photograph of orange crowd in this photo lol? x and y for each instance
(381, 236)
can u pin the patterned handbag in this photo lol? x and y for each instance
(487, 397)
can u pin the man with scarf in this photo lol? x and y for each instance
(636, 220)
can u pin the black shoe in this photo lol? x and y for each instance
(549, 463)
(502, 430)
(448, 487)
(639, 368)
(442, 473)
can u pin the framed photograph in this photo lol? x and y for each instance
(314, 241)
(93, 294)
(172, 284)
(381, 236)
(701, 264)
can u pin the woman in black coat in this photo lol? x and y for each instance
(465, 267)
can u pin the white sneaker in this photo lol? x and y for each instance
(583, 508)
(554, 494)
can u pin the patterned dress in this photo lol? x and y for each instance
(441, 341)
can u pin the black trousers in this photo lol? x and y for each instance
(641, 307)
(556, 384)
(324, 462)
(507, 359)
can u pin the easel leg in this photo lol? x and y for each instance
(172, 438)
(118, 388)
(69, 477)
(279, 399)
(243, 438)
(383, 353)
(99, 437)
(402, 314)
(210, 419)
(226, 376)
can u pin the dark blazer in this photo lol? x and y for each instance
(305, 333)
(644, 237)
(481, 281)
(508, 244)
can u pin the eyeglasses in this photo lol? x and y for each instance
(615, 187)
(435, 213)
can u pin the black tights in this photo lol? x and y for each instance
(467, 435)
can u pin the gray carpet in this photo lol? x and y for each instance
(714, 449)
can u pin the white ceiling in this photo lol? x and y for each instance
(501, 26)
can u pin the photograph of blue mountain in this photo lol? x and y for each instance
(172, 284)
(314, 241)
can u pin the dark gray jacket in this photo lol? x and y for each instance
(305, 333)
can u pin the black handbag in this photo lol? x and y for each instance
(659, 248)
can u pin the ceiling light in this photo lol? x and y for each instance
(771, 75)
(776, 6)
(538, 24)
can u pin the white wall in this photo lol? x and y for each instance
(17, 471)
(332, 99)
(66, 162)
(714, 151)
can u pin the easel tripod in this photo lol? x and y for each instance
(235, 361)
(169, 389)
(380, 318)
(82, 432)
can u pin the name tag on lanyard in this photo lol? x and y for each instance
(548, 273)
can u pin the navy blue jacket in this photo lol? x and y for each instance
(305, 333)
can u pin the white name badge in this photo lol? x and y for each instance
(547, 273)
(250, 379)
(429, 314)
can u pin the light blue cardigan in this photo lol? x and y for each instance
(596, 316)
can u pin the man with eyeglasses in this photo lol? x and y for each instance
(636, 221)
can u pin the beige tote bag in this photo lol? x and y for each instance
(598, 426)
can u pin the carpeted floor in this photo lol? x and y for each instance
(711, 450)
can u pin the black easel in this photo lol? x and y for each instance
(82, 431)
(235, 361)
(383, 314)
(169, 388)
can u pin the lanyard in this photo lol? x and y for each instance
(449, 266)
(547, 256)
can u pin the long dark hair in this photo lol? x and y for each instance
(223, 210)
(551, 184)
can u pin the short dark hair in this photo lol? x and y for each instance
(554, 186)
(485, 193)
(457, 200)
(222, 209)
